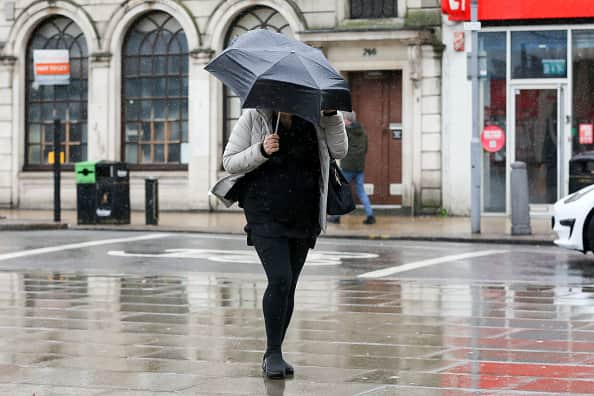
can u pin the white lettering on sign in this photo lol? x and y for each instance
(315, 258)
(458, 5)
(51, 67)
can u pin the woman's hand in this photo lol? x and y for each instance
(271, 144)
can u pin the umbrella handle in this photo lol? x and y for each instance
(277, 121)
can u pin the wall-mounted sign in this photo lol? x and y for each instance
(459, 41)
(51, 67)
(456, 10)
(586, 134)
(501, 10)
(493, 138)
(553, 67)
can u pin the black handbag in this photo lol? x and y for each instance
(340, 198)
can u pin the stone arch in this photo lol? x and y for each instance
(227, 11)
(31, 16)
(131, 10)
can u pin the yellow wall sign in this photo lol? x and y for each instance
(50, 157)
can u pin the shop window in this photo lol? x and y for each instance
(583, 91)
(539, 54)
(253, 18)
(493, 112)
(371, 9)
(67, 102)
(155, 92)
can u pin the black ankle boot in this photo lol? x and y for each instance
(274, 366)
(289, 370)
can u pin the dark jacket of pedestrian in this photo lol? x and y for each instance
(355, 158)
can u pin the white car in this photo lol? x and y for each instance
(573, 220)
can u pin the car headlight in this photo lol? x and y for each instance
(575, 196)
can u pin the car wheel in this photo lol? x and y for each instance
(588, 231)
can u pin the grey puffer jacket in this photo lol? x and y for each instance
(242, 153)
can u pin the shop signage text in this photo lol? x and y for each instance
(459, 10)
(456, 10)
(493, 138)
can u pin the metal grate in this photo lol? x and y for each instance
(371, 9)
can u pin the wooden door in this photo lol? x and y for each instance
(377, 100)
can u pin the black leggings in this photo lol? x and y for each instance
(283, 260)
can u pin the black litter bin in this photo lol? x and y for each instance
(102, 192)
(581, 171)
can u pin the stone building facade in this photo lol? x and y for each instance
(139, 92)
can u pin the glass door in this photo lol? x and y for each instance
(536, 115)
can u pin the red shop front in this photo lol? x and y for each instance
(539, 89)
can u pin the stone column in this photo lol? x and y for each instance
(200, 174)
(8, 156)
(431, 129)
(101, 143)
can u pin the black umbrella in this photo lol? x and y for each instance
(270, 70)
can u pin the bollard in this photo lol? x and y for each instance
(57, 169)
(151, 201)
(520, 207)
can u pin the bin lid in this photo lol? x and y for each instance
(84, 172)
(85, 164)
(584, 156)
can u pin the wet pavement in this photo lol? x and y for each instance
(128, 313)
(388, 226)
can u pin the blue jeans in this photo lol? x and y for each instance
(359, 179)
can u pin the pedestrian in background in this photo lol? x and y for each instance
(283, 194)
(353, 165)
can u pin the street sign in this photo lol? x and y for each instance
(51, 67)
(554, 67)
(51, 157)
(493, 138)
(470, 26)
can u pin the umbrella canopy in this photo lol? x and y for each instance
(270, 70)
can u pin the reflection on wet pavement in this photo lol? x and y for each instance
(203, 334)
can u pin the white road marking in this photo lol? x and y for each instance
(314, 258)
(425, 263)
(52, 249)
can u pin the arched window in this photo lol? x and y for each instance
(155, 92)
(253, 18)
(69, 102)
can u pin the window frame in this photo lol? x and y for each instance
(372, 4)
(167, 76)
(60, 34)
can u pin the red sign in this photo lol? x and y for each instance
(456, 10)
(459, 41)
(534, 9)
(493, 138)
(459, 10)
(52, 69)
(586, 135)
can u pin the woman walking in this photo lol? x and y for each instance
(283, 194)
